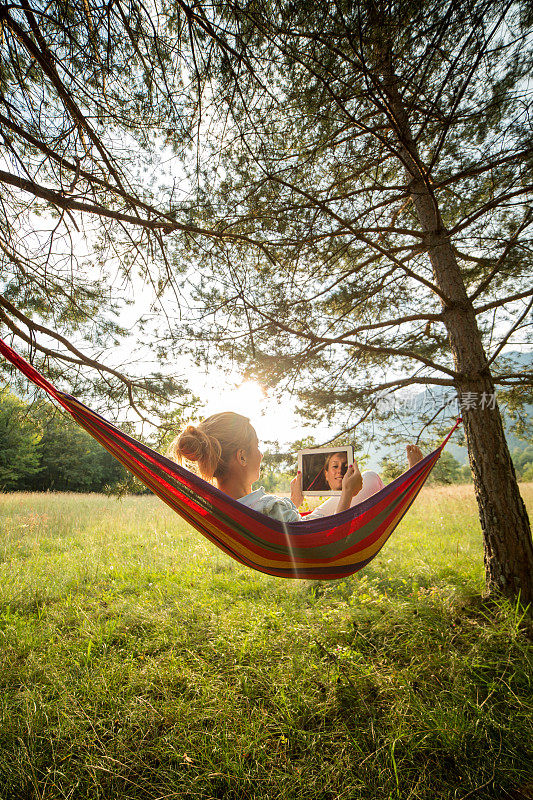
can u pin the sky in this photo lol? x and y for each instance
(272, 420)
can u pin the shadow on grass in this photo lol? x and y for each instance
(402, 586)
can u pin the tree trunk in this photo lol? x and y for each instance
(504, 521)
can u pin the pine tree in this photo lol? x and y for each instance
(379, 153)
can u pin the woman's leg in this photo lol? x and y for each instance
(372, 483)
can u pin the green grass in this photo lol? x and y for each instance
(137, 661)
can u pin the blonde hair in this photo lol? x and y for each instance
(213, 442)
(327, 462)
(330, 456)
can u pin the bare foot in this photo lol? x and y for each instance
(414, 454)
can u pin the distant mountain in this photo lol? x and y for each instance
(431, 400)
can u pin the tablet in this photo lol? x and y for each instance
(323, 469)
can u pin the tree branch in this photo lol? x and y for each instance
(503, 301)
(495, 203)
(509, 333)
(508, 247)
(80, 358)
(325, 341)
(472, 172)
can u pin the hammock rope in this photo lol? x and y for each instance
(321, 549)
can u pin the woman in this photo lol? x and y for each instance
(334, 468)
(225, 448)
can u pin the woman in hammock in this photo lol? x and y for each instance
(225, 447)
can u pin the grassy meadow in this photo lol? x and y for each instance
(137, 661)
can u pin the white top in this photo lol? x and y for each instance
(283, 508)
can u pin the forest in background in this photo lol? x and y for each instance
(43, 450)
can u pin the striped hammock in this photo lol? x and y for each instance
(320, 549)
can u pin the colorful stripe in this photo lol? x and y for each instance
(321, 549)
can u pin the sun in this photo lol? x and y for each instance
(272, 417)
(247, 398)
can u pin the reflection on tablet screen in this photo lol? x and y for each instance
(323, 469)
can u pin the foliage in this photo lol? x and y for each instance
(343, 291)
(523, 462)
(275, 481)
(70, 459)
(390, 469)
(129, 484)
(88, 91)
(278, 468)
(447, 470)
(45, 450)
(19, 438)
(294, 211)
(527, 474)
(465, 474)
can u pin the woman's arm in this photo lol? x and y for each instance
(297, 496)
(352, 483)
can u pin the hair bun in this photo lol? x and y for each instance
(192, 444)
(212, 444)
(197, 446)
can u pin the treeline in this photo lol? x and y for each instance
(44, 450)
(448, 470)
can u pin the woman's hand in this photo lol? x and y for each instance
(296, 490)
(352, 483)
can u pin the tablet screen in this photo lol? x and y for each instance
(323, 469)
